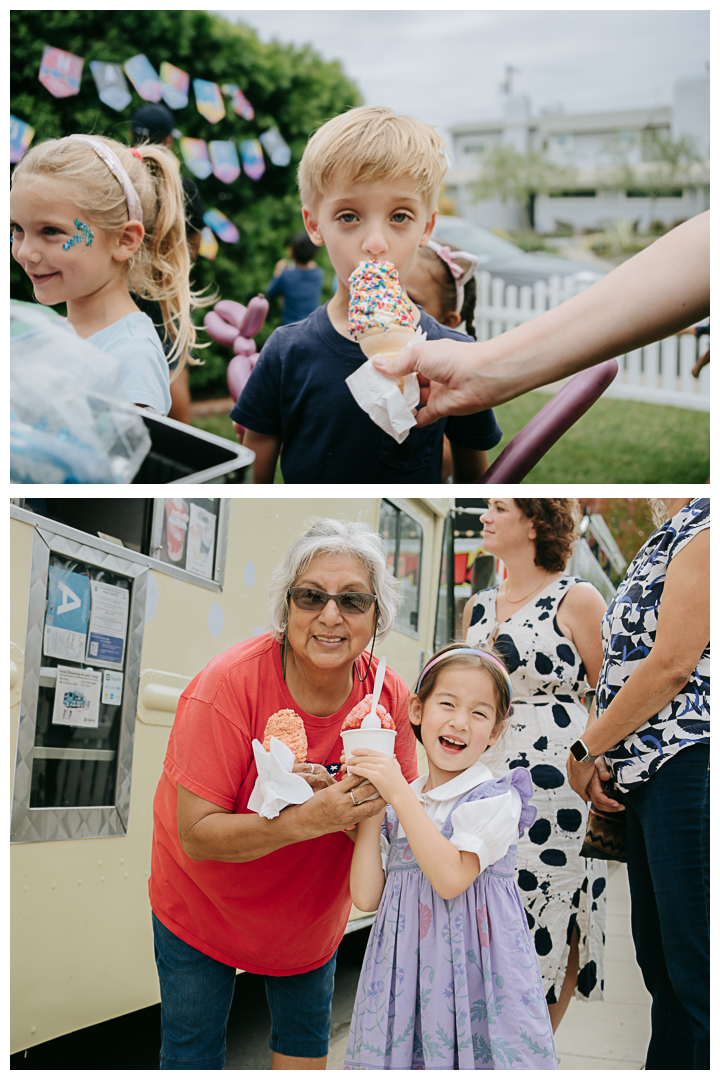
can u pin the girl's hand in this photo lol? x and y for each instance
(383, 772)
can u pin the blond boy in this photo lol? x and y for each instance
(369, 183)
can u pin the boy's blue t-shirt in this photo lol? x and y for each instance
(144, 376)
(301, 290)
(297, 392)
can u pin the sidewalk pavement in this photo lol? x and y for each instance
(609, 1034)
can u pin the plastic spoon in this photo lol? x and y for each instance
(372, 720)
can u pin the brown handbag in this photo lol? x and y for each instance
(605, 832)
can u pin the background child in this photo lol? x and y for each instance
(442, 282)
(369, 182)
(450, 978)
(300, 284)
(93, 220)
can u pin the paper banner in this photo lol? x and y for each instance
(208, 244)
(222, 226)
(111, 84)
(60, 72)
(21, 135)
(225, 161)
(174, 86)
(275, 147)
(209, 100)
(252, 158)
(144, 77)
(195, 156)
(239, 102)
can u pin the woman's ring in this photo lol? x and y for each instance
(312, 767)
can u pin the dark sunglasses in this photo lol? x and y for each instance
(349, 603)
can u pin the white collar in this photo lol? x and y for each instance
(453, 789)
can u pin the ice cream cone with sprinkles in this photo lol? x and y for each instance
(381, 317)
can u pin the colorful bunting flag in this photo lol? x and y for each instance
(209, 100)
(111, 84)
(275, 147)
(208, 244)
(175, 84)
(239, 102)
(20, 138)
(252, 158)
(144, 77)
(195, 156)
(226, 165)
(222, 226)
(60, 72)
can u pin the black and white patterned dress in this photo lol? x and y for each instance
(558, 888)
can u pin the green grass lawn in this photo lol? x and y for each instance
(616, 442)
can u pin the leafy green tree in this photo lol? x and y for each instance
(289, 88)
(508, 174)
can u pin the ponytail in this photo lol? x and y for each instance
(160, 269)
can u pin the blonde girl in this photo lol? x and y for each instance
(450, 978)
(92, 221)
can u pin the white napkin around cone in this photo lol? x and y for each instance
(382, 399)
(277, 786)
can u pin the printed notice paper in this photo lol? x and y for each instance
(66, 621)
(108, 624)
(201, 541)
(112, 687)
(77, 697)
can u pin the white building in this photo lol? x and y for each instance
(596, 145)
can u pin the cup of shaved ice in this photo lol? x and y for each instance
(355, 737)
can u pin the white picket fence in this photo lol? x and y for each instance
(659, 374)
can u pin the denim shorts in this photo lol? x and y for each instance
(196, 993)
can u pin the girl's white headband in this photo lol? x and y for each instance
(118, 170)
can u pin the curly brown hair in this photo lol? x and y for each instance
(556, 525)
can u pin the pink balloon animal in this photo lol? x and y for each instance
(235, 325)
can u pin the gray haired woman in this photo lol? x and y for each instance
(282, 912)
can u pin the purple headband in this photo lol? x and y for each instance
(473, 652)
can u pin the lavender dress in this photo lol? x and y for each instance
(452, 984)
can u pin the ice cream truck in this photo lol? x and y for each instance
(116, 604)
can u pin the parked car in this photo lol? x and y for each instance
(506, 260)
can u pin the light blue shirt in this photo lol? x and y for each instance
(144, 376)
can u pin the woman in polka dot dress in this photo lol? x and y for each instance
(546, 625)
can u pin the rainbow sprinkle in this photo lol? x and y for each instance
(377, 299)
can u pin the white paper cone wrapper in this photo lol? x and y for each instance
(388, 402)
(277, 786)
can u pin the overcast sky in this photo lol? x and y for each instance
(447, 66)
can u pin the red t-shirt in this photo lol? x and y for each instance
(286, 912)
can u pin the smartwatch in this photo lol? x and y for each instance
(581, 753)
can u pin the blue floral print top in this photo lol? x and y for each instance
(629, 629)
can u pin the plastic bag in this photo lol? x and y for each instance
(69, 422)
